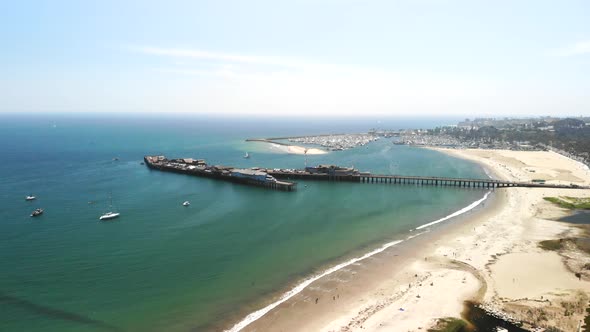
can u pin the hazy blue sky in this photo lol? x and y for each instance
(317, 57)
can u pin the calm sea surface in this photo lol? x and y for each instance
(162, 266)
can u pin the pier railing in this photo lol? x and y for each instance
(288, 175)
(420, 180)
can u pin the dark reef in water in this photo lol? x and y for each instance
(55, 313)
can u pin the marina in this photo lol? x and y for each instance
(332, 142)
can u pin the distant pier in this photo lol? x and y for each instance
(282, 179)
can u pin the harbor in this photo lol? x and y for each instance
(331, 142)
(282, 179)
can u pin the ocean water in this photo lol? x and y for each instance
(162, 266)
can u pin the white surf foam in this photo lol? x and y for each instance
(485, 169)
(297, 289)
(456, 213)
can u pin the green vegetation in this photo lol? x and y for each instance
(586, 326)
(450, 325)
(582, 244)
(553, 245)
(570, 203)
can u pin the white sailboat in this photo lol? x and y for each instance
(111, 214)
(247, 155)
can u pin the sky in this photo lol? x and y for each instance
(297, 58)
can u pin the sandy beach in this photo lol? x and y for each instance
(490, 255)
(295, 149)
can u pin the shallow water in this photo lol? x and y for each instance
(577, 217)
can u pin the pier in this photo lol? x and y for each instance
(198, 167)
(282, 179)
(355, 176)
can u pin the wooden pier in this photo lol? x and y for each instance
(419, 180)
(450, 182)
(269, 178)
(214, 172)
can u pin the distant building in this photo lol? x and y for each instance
(252, 175)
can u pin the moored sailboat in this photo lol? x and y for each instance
(110, 215)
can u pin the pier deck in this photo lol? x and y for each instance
(199, 168)
(417, 180)
(269, 178)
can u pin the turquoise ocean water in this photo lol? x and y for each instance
(162, 266)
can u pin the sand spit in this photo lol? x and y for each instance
(295, 149)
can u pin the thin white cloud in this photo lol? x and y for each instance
(579, 48)
(222, 57)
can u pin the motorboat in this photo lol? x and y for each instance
(30, 198)
(37, 212)
(186, 203)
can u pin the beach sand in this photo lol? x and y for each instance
(490, 255)
(295, 149)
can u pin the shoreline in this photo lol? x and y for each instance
(456, 260)
(414, 239)
(412, 247)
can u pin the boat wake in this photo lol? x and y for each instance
(301, 286)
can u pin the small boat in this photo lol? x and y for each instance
(186, 203)
(116, 159)
(247, 155)
(30, 198)
(111, 214)
(37, 212)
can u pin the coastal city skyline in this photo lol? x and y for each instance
(302, 58)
